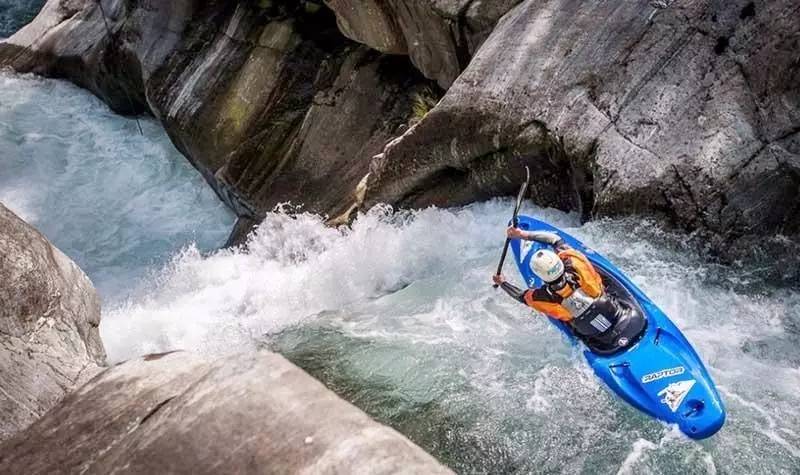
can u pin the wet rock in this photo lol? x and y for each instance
(49, 317)
(688, 110)
(440, 36)
(621, 108)
(268, 100)
(179, 413)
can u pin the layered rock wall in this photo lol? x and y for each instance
(267, 99)
(687, 109)
(49, 318)
(440, 36)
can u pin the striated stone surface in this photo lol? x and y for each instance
(688, 109)
(49, 317)
(685, 109)
(179, 413)
(440, 36)
(268, 100)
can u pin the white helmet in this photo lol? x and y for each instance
(547, 265)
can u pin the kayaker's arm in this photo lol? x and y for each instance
(515, 292)
(545, 237)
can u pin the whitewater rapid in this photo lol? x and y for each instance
(117, 201)
(396, 313)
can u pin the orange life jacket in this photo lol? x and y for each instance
(583, 272)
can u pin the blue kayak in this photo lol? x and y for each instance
(659, 373)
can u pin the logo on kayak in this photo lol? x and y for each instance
(664, 373)
(674, 394)
(524, 249)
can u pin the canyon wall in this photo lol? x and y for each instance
(689, 110)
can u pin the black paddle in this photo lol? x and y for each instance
(514, 220)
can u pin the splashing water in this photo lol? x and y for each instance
(117, 202)
(397, 315)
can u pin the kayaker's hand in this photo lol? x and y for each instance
(498, 279)
(514, 233)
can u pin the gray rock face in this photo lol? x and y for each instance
(691, 111)
(178, 413)
(440, 36)
(50, 312)
(267, 99)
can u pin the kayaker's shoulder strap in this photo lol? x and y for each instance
(579, 265)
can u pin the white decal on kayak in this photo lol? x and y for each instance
(524, 248)
(600, 323)
(664, 373)
(674, 394)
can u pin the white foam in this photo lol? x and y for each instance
(114, 200)
(294, 268)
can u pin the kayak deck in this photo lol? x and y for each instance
(660, 374)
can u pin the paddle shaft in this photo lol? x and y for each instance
(502, 259)
(505, 251)
(514, 221)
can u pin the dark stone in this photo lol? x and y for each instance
(721, 46)
(619, 110)
(269, 102)
(748, 11)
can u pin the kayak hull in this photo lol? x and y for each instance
(661, 374)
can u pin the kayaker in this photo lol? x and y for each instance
(573, 292)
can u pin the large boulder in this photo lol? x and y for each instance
(440, 36)
(49, 317)
(689, 109)
(179, 413)
(267, 99)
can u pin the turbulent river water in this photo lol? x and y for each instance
(118, 202)
(15, 13)
(396, 313)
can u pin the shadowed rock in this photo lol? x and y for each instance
(49, 314)
(440, 36)
(267, 99)
(690, 110)
(180, 413)
(687, 109)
